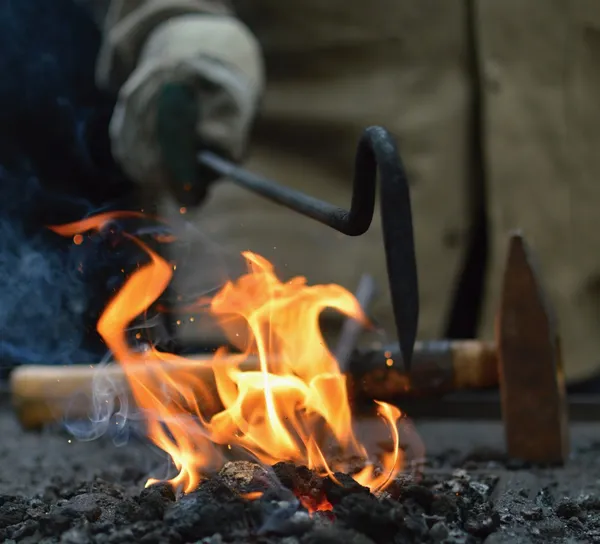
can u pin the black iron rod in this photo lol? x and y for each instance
(376, 153)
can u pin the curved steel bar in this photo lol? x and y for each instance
(376, 152)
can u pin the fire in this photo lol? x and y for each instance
(312, 505)
(291, 405)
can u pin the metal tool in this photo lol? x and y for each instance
(534, 409)
(352, 328)
(376, 152)
(525, 361)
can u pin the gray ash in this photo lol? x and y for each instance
(53, 490)
(449, 508)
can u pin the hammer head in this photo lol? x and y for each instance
(533, 395)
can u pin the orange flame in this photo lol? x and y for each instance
(313, 505)
(291, 407)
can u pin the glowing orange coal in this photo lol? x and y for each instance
(292, 405)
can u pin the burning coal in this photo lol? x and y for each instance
(292, 405)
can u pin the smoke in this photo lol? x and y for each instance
(111, 410)
(51, 290)
(43, 301)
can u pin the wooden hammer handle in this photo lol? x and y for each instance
(46, 394)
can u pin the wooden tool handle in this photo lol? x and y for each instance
(48, 394)
(44, 394)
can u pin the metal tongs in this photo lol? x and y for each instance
(376, 153)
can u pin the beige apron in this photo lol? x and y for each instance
(542, 113)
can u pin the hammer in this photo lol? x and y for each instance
(532, 384)
(527, 358)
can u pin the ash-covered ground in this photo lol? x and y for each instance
(55, 489)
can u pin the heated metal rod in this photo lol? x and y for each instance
(376, 152)
(353, 222)
(352, 328)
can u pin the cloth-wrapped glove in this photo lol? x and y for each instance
(189, 75)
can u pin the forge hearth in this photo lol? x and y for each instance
(248, 503)
(53, 490)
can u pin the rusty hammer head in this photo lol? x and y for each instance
(534, 407)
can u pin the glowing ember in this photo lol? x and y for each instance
(293, 407)
(253, 495)
(313, 505)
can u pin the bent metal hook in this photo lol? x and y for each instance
(376, 153)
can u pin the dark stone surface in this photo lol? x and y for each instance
(56, 490)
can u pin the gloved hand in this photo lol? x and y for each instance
(177, 114)
(194, 83)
